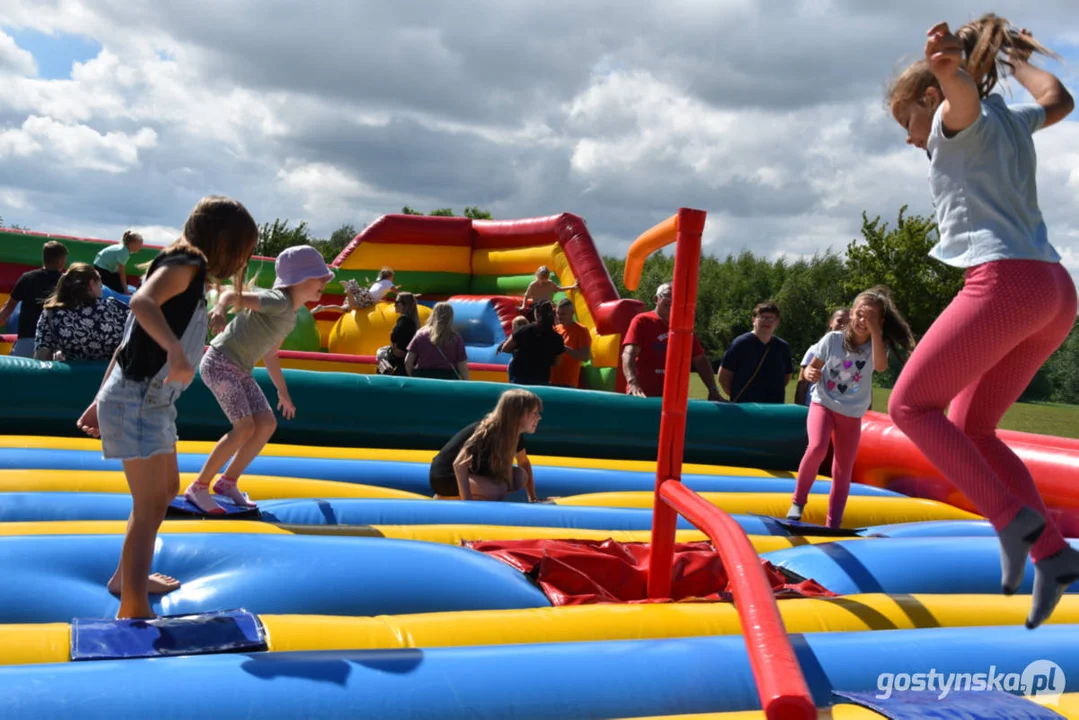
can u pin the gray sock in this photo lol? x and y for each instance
(1016, 539)
(795, 513)
(1052, 576)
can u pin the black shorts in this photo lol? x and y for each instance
(111, 280)
(444, 485)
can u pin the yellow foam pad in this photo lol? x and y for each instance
(412, 258)
(258, 487)
(393, 455)
(861, 511)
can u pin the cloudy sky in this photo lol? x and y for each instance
(770, 116)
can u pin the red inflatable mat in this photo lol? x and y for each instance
(586, 572)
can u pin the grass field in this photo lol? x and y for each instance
(1046, 419)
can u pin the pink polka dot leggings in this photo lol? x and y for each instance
(845, 433)
(980, 355)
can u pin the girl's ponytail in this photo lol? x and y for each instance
(990, 45)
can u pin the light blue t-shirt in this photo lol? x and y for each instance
(983, 187)
(112, 257)
(846, 380)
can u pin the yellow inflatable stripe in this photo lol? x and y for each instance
(119, 527)
(861, 511)
(1067, 706)
(516, 261)
(259, 487)
(421, 456)
(580, 623)
(444, 534)
(415, 258)
(33, 643)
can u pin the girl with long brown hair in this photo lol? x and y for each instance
(477, 463)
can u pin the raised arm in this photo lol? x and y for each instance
(961, 105)
(1046, 89)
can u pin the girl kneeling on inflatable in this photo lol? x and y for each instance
(477, 463)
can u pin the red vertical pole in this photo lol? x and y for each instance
(672, 428)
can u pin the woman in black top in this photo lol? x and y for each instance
(477, 463)
(408, 321)
(536, 348)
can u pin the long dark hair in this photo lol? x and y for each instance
(545, 316)
(894, 328)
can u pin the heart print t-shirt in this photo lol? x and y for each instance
(846, 383)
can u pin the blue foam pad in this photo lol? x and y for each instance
(198, 634)
(796, 527)
(962, 705)
(181, 508)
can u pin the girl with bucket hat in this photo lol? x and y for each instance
(263, 320)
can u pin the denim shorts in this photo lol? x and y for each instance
(137, 418)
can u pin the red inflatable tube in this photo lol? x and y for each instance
(10, 274)
(887, 458)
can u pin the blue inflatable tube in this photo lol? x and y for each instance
(933, 528)
(904, 565)
(478, 324)
(631, 678)
(43, 507)
(413, 477)
(57, 578)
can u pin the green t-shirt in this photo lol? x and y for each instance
(251, 334)
(112, 257)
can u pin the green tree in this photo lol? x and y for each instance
(406, 210)
(476, 214)
(275, 237)
(442, 212)
(339, 239)
(899, 258)
(1063, 370)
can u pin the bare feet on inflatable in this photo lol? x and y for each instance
(227, 487)
(1052, 576)
(1016, 539)
(199, 496)
(156, 584)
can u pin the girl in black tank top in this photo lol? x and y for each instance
(134, 412)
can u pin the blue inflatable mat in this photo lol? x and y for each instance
(180, 508)
(963, 705)
(196, 634)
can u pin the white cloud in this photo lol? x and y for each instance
(622, 114)
(13, 59)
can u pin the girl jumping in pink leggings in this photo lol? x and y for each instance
(842, 375)
(1018, 303)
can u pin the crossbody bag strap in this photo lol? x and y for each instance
(754, 375)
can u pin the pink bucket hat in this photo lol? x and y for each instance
(299, 263)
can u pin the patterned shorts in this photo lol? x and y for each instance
(236, 391)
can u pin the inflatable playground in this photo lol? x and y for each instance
(482, 268)
(660, 580)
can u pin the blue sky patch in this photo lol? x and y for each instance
(55, 54)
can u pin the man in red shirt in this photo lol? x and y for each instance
(644, 352)
(578, 342)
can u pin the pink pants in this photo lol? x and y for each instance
(980, 355)
(845, 432)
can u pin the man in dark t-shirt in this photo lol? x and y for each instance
(757, 366)
(32, 290)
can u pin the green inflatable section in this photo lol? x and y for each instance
(413, 281)
(504, 284)
(600, 378)
(47, 398)
(17, 248)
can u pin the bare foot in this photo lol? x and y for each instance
(157, 584)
